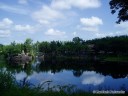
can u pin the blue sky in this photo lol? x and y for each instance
(47, 20)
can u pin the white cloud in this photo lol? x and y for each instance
(60, 4)
(122, 29)
(5, 23)
(52, 32)
(24, 28)
(93, 21)
(74, 33)
(4, 33)
(46, 15)
(91, 24)
(51, 15)
(81, 4)
(91, 29)
(14, 9)
(123, 25)
(100, 35)
(92, 78)
(104, 34)
(22, 2)
(19, 41)
(5, 27)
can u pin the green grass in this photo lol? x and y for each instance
(117, 59)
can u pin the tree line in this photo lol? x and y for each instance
(117, 45)
(77, 47)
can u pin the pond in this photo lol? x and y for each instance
(86, 76)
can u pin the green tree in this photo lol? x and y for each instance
(1, 48)
(44, 47)
(120, 6)
(28, 45)
(77, 40)
(53, 46)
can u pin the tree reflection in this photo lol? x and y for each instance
(116, 70)
(77, 73)
(17, 67)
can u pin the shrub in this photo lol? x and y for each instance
(7, 81)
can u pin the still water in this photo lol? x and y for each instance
(83, 75)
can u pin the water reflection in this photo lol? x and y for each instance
(83, 74)
(77, 73)
(20, 76)
(22, 79)
(91, 77)
(116, 70)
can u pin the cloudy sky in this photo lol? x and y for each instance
(47, 20)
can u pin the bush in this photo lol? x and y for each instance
(7, 81)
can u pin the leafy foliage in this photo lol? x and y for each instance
(16, 48)
(116, 45)
(75, 47)
(28, 45)
(122, 7)
(6, 81)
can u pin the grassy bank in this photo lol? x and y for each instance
(120, 59)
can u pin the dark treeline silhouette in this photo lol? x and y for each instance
(108, 46)
(68, 48)
(116, 46)
(78, 67)
(121, 7)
